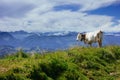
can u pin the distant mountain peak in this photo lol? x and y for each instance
(20, 32)
(6, 35)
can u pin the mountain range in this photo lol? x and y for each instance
(38, 41)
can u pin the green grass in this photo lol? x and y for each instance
(76, 63)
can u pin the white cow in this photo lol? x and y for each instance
(91, 37)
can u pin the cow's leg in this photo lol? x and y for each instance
(100, 43)
(90, 44)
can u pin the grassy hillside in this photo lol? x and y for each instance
(77, 63)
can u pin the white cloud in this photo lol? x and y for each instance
(94, 4)
(68, 21)
(43, 18)
(111, 27)
(86, 4)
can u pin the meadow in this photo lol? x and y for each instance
(75, 63)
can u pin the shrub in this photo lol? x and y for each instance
(13, 76)
(55, 68)
(21, 54)
(51, 70)
(106, 55)
(74, 72)
(116, 51)
(77, 63)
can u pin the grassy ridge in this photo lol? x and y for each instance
(77, 63)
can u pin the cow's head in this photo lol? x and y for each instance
(80, 37)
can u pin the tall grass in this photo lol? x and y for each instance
(76, 63)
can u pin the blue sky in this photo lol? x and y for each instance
(71, 7)
(59, 15)
(111, 10)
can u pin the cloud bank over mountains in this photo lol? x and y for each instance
(56, 15)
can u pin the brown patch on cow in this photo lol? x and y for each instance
(83, 37)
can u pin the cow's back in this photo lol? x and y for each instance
(94, 36)
(91, 36)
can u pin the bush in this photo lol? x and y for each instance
(77, 63)
(51, 70)
(74, 72)
(13, 76)
(55, 68)
(106, 55)
(21, 54)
